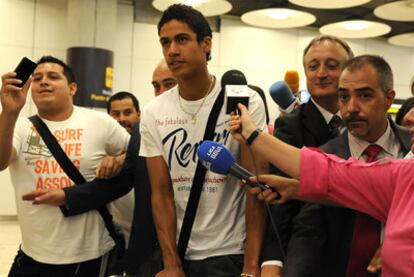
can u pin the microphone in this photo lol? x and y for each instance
(283, 97)
(236, 89)
(292, 80)
(216, 158)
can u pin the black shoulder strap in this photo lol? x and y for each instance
(198, 181)
(69, 168)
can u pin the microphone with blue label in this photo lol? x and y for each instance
(216, 158)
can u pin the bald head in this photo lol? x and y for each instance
(162, 78)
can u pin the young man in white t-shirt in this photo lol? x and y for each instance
(51, 244)
(172, 127)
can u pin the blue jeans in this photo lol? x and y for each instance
(218, 266)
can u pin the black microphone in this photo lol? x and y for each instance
(235, 84)
(216, 158)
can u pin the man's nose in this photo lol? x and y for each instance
(44, 80)
(173, 50)
(353, 105)
(322, 73)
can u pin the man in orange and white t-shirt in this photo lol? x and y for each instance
(51, 244)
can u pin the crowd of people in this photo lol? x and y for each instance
(144, 163)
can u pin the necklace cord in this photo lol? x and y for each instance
(194, 115)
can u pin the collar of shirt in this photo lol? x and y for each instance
(326, 114)
(388, 141)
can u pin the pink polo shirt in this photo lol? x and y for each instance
(384, 190)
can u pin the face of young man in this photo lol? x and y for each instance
(162, 79)
(363, 104)
(125, 113)
(184, 55)
(50, 88)
(322, 64)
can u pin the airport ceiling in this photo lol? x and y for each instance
(145, 12)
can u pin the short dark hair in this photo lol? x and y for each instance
(193, 18)
(322, 38)
(67, 71)
(122, 95)
(383, 69)
(405, 108)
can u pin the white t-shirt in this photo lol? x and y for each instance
(166, 130)
(47, 236)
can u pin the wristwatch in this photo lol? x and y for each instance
(253, 136)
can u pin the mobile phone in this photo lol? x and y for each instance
(24, 69)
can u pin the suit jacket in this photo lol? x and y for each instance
(301, 241)
(94, 194)
(339, 222)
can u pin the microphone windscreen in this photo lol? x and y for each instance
(215, 157)
(233, 77)
(281, 94)
(292, 80)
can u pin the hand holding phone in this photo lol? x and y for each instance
(24, 69)
(12, 98)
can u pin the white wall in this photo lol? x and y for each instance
(33, 29)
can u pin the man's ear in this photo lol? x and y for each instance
(73, 88)
(389, 98)
(206, 43)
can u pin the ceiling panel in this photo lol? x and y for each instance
(145, 12)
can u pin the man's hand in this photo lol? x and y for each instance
(110, 166)
(241, 127)
(287, 188)
(271, 271)
(55, 197)
(171, 272)
(12, 97)
(375, 264)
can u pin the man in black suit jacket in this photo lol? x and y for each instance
(306, 126)
(83, 198)
(365, 95)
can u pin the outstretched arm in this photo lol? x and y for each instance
(12, 100)
(83, 198)
(280, 154)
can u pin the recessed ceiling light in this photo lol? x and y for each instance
(206, 7)
(398, 11)
(279, 13)
(356, 25)
(355, 29)
(194, 3)
(329, 4)
(406, 40)
(278, 18)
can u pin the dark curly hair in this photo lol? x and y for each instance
(193, 18)
(67, 71)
